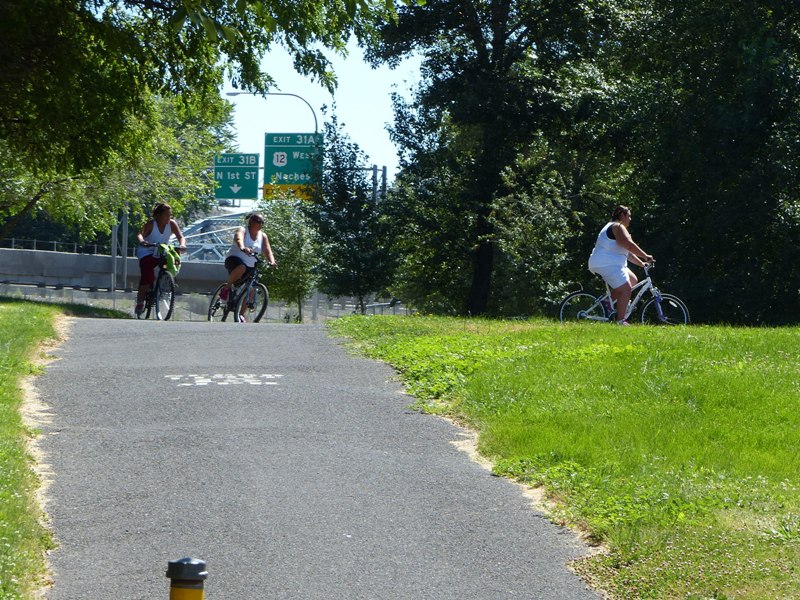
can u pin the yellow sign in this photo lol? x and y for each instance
(288, 190)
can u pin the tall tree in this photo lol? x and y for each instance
(426, 211)
(294, 243)
(355, 259)
(711, 99)
(489, 68)
(561, 187)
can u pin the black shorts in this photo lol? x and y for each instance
(234, 261)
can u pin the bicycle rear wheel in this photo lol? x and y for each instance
(254, 303)
(581, 306)
(164, 296)
(218, 309)
(673, 311)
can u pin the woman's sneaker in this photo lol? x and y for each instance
(623, 322)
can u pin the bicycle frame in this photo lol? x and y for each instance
(659, 309)
(239, 291)
(637, 293)
(151, 299)
(246, 295)
(639, 290)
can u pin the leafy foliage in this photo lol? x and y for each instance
(426, 210)
(76, 71)
(709, 97)
(490, 77)
(172, 166)
(533, 121)
(355, 260)
(293, 241)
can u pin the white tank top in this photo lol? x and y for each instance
(607, 252)
(254, 244)
(155, 237)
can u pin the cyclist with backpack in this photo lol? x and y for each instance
(157, 230)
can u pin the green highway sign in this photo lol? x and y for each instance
(236, 176)
(292, 158)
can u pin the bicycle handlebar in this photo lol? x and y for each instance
(260, 259)
(180, 249)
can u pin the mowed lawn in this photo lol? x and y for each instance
(675, 449)
(24, 537)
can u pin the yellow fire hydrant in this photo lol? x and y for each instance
(188, 576)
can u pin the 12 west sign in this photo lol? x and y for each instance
(291, 159)
(236, 176)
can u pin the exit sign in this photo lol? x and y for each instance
(293, 159)
(236, 176)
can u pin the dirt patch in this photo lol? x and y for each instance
(36, 413)
(468, 444)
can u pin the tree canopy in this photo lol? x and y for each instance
(354, 253)
(172, 166)
(75, 72)
(490, 74)
(532, 120)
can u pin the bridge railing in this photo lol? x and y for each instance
(53, 246)
(205, 247)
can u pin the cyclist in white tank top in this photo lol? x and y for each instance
(247, 242)
(609, 259)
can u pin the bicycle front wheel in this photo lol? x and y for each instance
(217, 308)
(165, 296)
(672, 311)
(253, 304)
(581, 306)
(149, 303)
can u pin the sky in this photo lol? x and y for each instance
(363, 104)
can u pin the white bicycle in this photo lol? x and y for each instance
(660, 309)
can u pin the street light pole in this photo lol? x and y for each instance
(316, 127)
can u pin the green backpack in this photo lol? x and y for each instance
(172, 259)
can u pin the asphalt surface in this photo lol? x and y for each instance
(291, 467)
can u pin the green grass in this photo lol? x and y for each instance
(24, 326)
(23, 539)
(676, 448)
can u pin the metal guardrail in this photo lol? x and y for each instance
(194, 306)
(71, 247)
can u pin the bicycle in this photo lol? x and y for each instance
(160, 298)
(248, 295)
(661, 309)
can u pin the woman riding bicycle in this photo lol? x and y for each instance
(157, 230)
(247, 242)
(609, 259)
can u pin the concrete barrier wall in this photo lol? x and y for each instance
(93, 271)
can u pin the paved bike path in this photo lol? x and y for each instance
(294, 469)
